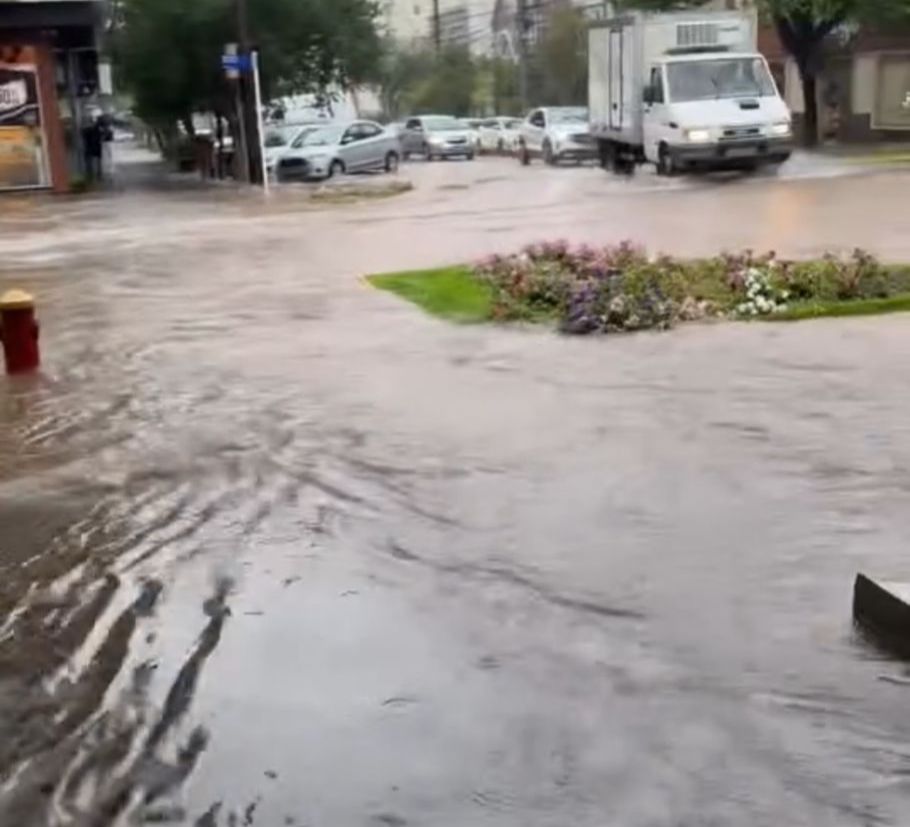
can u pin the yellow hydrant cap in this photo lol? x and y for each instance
(16, 300)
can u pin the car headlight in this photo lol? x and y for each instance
(698, 136)
(781, 129)
(436, 141)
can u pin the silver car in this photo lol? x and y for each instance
(279, 139)
(340, 148)
(437, 136)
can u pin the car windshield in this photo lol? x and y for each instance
(280, 136)
(325, 136)
(441, 124)
(569, 115)
(699, 80)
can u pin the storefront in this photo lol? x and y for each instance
(23, 140)
(48, 89)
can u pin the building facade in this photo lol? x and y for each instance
(863, 90)
(49, 85)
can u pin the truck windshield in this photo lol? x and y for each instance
(698, 80)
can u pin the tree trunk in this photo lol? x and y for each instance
(809, 82)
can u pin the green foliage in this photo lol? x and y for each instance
(421, 81)
(449, 86)
(169, 51)
(561, 60)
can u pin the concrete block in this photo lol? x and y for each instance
(882, 608)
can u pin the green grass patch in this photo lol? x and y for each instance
(855, 307)
(884, 158)
(451, 292)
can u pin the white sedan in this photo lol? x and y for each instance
(499, 134)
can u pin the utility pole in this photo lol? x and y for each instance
(437, 27)
(241, 156)
(524, 26)
(250, 117)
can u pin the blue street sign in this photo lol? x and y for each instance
(236, 63)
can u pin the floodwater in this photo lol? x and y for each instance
(277, 549)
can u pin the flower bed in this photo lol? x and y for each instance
(621, 288)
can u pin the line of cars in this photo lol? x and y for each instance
(320, 150)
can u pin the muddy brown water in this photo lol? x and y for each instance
(277, 549)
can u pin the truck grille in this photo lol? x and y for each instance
(733, 133)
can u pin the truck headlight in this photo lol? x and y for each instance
(698, 136)
(781, 129)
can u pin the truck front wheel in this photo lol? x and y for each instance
(666, 163)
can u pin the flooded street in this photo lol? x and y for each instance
(278, 549)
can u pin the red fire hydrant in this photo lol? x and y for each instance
(19, 331)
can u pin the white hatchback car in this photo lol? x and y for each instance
(340, 148)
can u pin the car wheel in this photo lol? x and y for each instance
(335, 168)
(500, 146)
(469, 156)
(524, 156)
(391, 162)
(548, 157)
(666, 164)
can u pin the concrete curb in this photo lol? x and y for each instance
(883, 609)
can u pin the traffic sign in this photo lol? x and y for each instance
(236, 63)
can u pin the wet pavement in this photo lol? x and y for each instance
(276, 548)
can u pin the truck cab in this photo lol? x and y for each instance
(713, 110)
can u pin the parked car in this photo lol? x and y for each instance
(473, 127)
(556, 133)
(278, 139)
(341, 148)
(436, 136)
(499, 134)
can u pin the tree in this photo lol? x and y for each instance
(449, 87)
(803, 27)
(562, 58)
(400, 71)
(169, 51)
(423, 81)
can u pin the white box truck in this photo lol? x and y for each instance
(684, 90)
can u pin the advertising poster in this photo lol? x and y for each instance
(22, 157)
